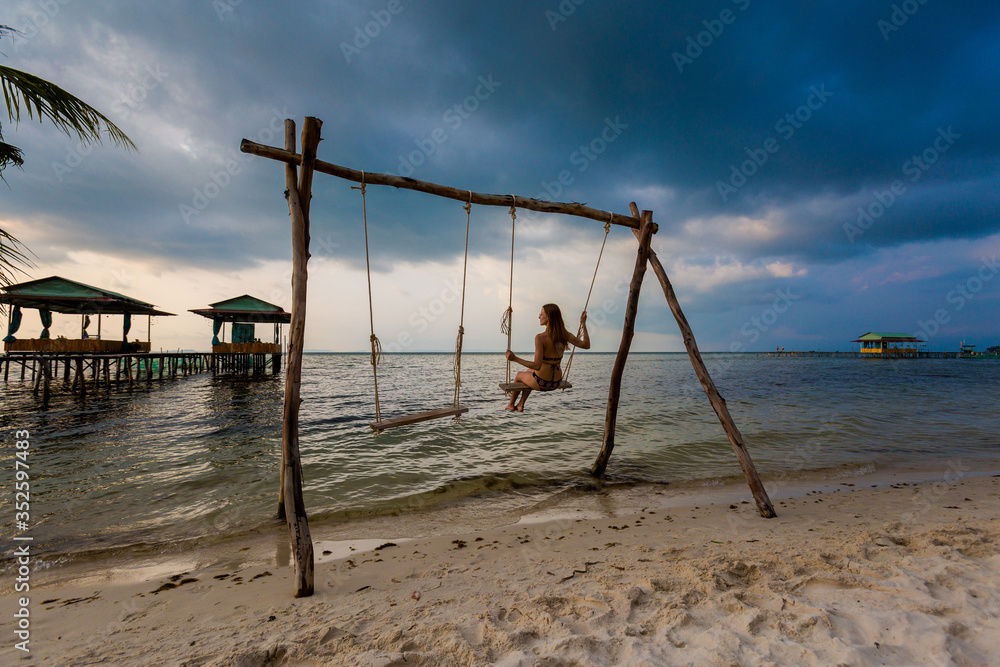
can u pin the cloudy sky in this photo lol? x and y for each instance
(818, 170)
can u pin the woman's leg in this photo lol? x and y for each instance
(513, 398)
(528, 378)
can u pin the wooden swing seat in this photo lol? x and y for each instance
(419, 417)
(518, 386)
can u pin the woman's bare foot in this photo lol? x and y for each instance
(520, 408)
(509, 407)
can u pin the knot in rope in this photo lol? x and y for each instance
(505, 320)
(376, 350)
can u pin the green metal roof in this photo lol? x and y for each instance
(61, 295)
(247, 303)
(888, 337)
(245, 308)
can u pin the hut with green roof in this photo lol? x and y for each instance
(884, 344)
(246, 351)
(60, 295)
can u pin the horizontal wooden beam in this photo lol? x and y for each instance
(374, 178)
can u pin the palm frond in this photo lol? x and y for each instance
(10, 155)
(14, 258)
(43, 99)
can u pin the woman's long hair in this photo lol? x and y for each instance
(556, 328)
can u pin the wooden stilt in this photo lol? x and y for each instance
(46, 382)
(82, 377)
(299, 194)
(760, 496)
(631, 310)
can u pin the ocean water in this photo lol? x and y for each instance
(197, 458)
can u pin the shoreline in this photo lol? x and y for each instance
(466, 514)
(907, 572)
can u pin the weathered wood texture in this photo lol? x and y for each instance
(57, 345)
(374, 178)
(295, 512)
(417, 418)
(645, 234)
(718, 403)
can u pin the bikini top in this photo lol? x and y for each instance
(552, 361)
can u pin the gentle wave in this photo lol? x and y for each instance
(199, 456)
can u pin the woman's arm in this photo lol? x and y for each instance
(533, 365)
(583, 342)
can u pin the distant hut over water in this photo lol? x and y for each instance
(882, 344)
(60, 295)
(245, 351)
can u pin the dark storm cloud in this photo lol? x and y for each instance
(842, 128)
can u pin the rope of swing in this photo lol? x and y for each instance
(376, 357)
(461, 321)
(508, 316)
(579, 332)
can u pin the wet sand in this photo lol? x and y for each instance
(906, 573)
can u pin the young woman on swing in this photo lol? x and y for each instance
(544, 370)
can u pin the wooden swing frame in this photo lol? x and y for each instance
(299, 170)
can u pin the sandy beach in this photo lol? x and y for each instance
(905, 573)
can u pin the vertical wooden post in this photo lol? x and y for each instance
(631, 309)
(760, 496)
(299, 192)
(80, 375)
(291, 183)
(46, 369)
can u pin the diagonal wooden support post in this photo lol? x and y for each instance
(760, 496)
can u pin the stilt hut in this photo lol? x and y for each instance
(60, 295)
(883, 345)
(246, 351)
